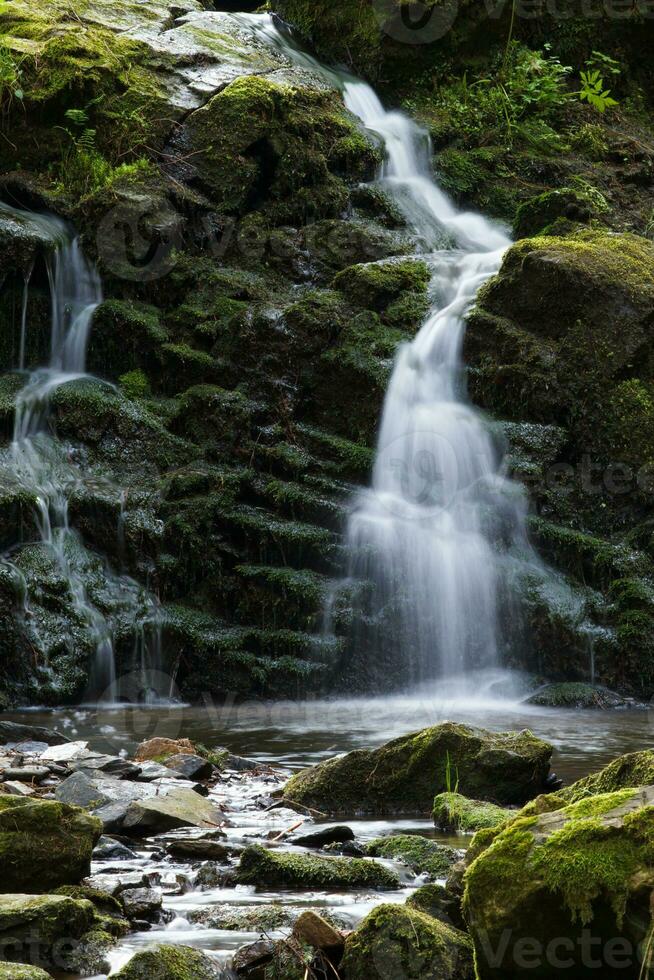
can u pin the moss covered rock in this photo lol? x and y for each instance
(634, 769)
(409, 943)
(406, 774)
(546, 879)
(170, 963)
(454, 813)
(43, 921)
(31, 831)
(258, 140)
(18, 971)
(264, 868)
(423, 856)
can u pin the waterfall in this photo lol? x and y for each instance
(43, 467)
(427, 532)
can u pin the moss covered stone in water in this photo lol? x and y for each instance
(633, 769)
(406, 774)
(551, 875)
(17, 971)
(458, 814)
(421, 855)
(269, 869)
(413, 945)
(31, 832)
(170, 963)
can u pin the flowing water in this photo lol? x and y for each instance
(426, 531)
(42, 466)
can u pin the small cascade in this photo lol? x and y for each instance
(43, 467)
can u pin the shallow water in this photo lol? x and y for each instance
(294, 734)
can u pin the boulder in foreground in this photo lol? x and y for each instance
(171, 963)
(570, 887)
(406, 774)
(44, 844)
(398, 942)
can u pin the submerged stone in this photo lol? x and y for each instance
(406, 774)
(423, 856)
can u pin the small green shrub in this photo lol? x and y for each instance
(134, 384)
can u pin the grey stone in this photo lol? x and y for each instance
(108, 849)
(10, 731)
(180, 807)
(142, 903)
(190, 766)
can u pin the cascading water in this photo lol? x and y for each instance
(42, 466)
(425, 534)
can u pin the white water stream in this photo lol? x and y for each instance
(43, 467)
(426, 531)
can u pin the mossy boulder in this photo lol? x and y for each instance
(265, 868)
(548, 880)
(42, 921)
(423, 856)
(454, 813)
(575, 694)
(439, 902)
(32, 831)
(18, 971)
(398, 941)
(406, 774)
(377, 285)
(538, 213)
(259, 139)
(171, 963)
(633, 769)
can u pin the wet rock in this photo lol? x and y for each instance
(108, 849)
(64, 753)
(93, 791)
(328, 835)
(439, 902)
(578, 695)
(159, 749)
(417, 946)
(199, 850)
(142, 903)
(244, 918)
(33, 832)
(90, 956)
(211, 875)
(224, 759)
(116, 884)
(421, 855)
(454, 813)
(41, 921)
(179, 808)
(112, 815)
(149, 771)
(406, 774)
(585, 870)
(12, 732)
(110, 765)
(15, 788)
(265, 868)
(190, 766)
(26, 774)
(255, 956)
(348, 848)
(171, 963)
(313, 930)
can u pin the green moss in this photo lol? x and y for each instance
(421, 855)
(634, 769)
(415, 943)
(31, 831)
(377, 284)
(456, 813)
(270, 869)
(168, 963)
(406, 774)
(135, 384)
